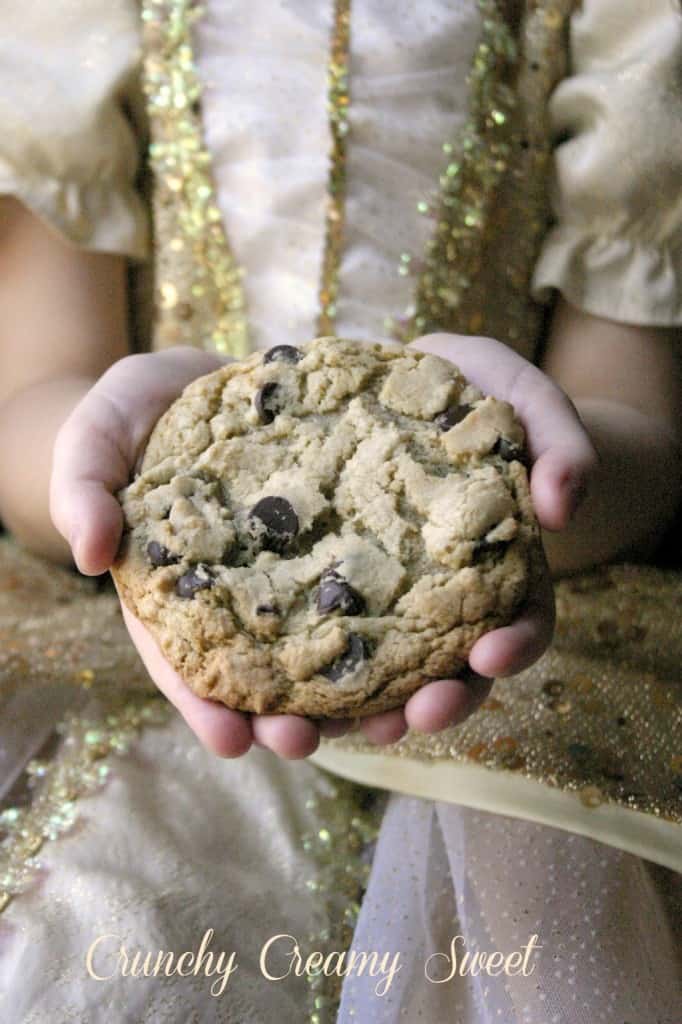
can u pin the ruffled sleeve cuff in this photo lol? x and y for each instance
(614, 248)
(94, 215)
(72, 122)
(614, 278)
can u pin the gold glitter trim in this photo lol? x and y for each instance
(199, 299)
(495, 180)
(342, 849)
(79, 768)
(337, 105)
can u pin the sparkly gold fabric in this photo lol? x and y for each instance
(479, 211)
(111, 769)
(596, 722)
(337, 80)
(493, 198)
(198, 296)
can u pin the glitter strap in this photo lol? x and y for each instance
(198, 295)
(492, 208)
(477, 160)
(337, 105)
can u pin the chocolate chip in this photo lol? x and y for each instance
(266, 609)
(277, 523)
(197, 578)
(355, 653)
(452, 415)
(488, 547)
(334, 593)
(283, 354)
(506, 450)
(266, 402)
(159, 555)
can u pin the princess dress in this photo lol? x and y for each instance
(555, 809)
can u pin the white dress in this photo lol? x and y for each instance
(178, 841)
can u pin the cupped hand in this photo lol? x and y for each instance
(562, 460)
(100, 445)
(97, 451)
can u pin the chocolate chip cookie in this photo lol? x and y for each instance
(322, 529)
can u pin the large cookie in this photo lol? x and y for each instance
(321, 530)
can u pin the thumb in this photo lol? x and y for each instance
(88, 466)
(96, 531)
(563, 456)
(97, 446)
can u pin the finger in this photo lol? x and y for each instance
(222, 731)
(445, 702)
(82, 506)
(384, 727)
(559, 483)
(563, 456)
(510, 649)
(289, 736)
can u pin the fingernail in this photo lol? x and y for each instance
(74, 537)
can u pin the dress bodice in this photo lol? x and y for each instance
(266, 125)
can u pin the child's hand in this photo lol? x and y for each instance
(96, 452)
(563, 458)
(98, 448)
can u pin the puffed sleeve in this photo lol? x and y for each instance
(71, 120)
(615, 248)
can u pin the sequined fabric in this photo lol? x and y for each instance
(198, 296)
(598, 717)
(492, 206)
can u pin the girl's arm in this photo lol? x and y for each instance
(626, 383)
(63, 321)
